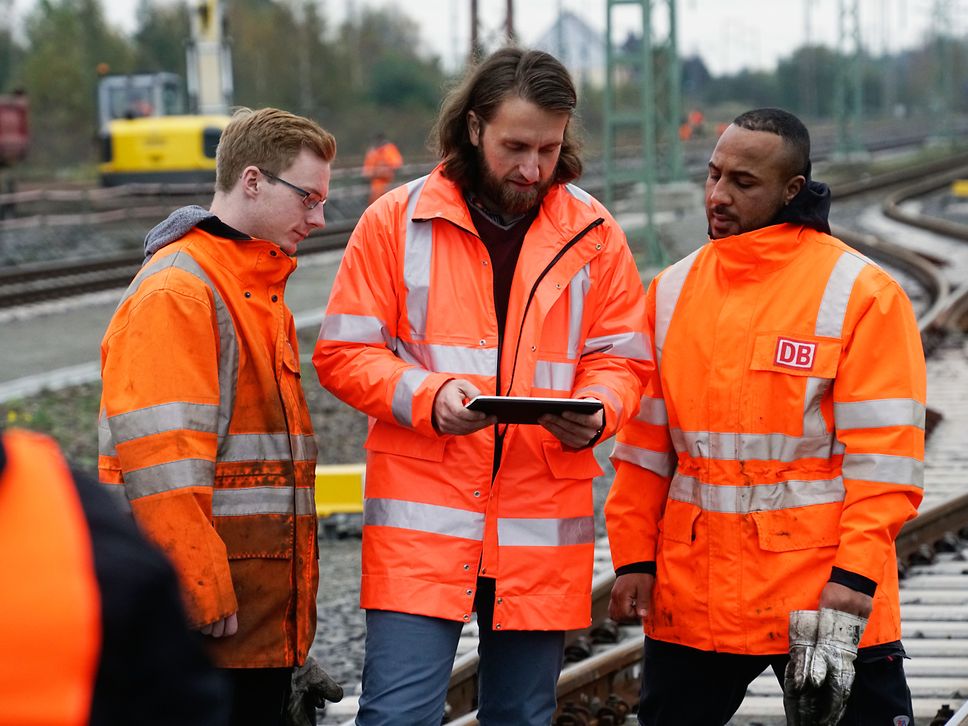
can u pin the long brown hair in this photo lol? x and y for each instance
(532, 75)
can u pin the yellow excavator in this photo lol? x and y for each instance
(146, 135)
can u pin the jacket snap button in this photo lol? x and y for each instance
(477, 494)
(272, 253)
(466, 617)
(467, 567)
(534, 348)
(598, 246)
(500, 600)
(470, 592)
(497, 627)
(483, 342)
(484, 571)
(248, 294)
(274, 298)
(558, 285)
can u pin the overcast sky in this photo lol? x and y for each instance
(727, 35)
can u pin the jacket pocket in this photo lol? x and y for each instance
(678, 524)
(563, 464)
(389, 439)
(800, 528)
(260, 536)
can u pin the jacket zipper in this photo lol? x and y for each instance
(498, 434)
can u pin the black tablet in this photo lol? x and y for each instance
(527, 409)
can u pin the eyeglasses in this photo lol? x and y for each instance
(310, 200)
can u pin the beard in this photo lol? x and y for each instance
(510, 202)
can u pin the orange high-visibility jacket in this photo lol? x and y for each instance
(412, 308)
(780, 444)
(205, 431)
(382, 161)
(50, 616)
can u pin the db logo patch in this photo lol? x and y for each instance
(797, 354)
(902, 721)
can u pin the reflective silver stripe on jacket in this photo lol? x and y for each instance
(579, 194)
(479, 361)
(420, 517)
(268, 447)
(403, 393)
(577, 291)
(667, 292)
(653, 411)
(347, 328)
(757, 447)
(169, 476)
(519, 532)
(105, 440)
(150, 420)
(636, 346)
(727, 499)
(880, 413)
(262, 500)
(416, 263)
(884, 468)
(556, 376)
(603, 394)
(830, 324)
(662, 463)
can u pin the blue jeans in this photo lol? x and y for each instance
(408, 660)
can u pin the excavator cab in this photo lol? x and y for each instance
(146, 136)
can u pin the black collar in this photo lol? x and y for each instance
(214, 225)
(3, 454)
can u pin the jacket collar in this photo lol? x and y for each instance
(756, 254)
(441, 198)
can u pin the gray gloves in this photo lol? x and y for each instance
(311, 688)
(823, 646)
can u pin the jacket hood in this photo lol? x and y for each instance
(810, 208)
(178, 223)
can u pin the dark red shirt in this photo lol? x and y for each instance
(503, 244)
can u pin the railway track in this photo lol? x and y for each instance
(37, 282)
(599, 684)
(40, 282)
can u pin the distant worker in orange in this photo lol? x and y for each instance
(92, 627)
(380, 165)
(775, 456)
(205, 432)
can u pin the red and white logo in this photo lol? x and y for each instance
(797, 354)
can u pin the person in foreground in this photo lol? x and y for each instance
(493, 274)
(205, 433)
(776, 454)
(93, 631)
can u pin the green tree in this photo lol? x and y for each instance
(67, 41)
(159, 40)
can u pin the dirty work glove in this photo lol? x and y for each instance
(821, 675)
(803, 642)
(311, 688)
